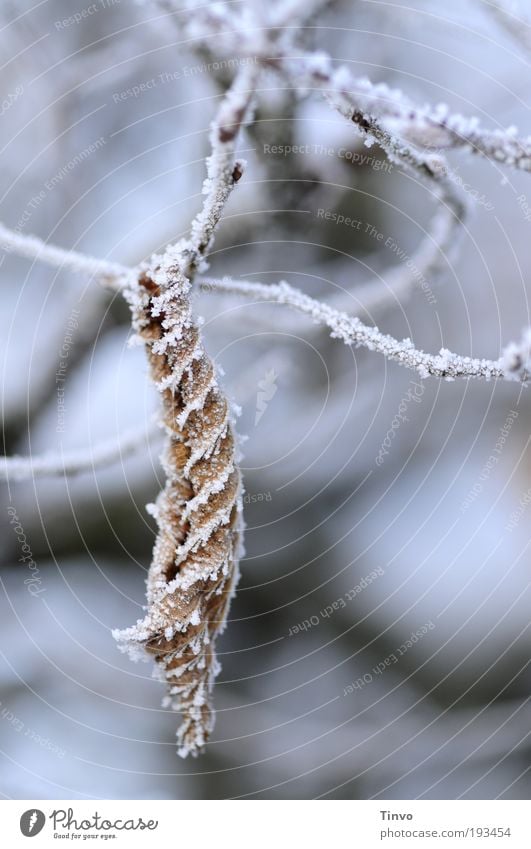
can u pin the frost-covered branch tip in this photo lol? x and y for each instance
(514, 365)
(431, 128)
(223, 171)
(515, 360)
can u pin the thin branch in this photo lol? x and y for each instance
(349, 328)
(111, 273)
(223, 171)
(427, 127)
(514, 364)
(70, 463)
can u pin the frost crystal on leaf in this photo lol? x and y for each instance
(194, 569)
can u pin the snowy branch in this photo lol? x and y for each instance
(514, 364)
(111, 273)
(223, 171)
(429, 128)
(432, 128)
(70, 463)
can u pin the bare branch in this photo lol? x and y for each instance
(353, 331)
(223, 172)
(427, 127)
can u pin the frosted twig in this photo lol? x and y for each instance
(386, 115)
(513, 365)
(427, 127)
(111, 273)
(516, 358)
(69, 463)
(223, 172)
(353, 331)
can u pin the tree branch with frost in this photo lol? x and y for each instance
(430, 256)
(427, 259)
(514, 364)
(386, 115)
(70, 463)
(428, 128)
(32, 247)
(223, 170)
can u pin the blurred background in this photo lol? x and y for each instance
(378, 646)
